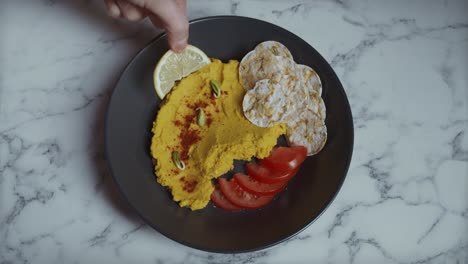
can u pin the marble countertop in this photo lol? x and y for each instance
(404, 66)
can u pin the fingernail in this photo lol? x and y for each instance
(114, 10)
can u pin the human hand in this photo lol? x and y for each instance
(167, 14)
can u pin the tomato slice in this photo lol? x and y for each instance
(236, 195)
(285, 158)
(253, 186)
(218, 199)
(263, 174)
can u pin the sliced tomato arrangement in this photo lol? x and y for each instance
(286, 158)
(264, 174)
(238, 196)
(259, 188)
(218, 198)
(262, 182)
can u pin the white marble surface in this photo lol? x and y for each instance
(404, 65)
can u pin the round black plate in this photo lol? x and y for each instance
(134, 105)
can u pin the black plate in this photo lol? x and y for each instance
(134, 105)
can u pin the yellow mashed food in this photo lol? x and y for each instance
(208, 151)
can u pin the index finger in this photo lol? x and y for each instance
(173, 19)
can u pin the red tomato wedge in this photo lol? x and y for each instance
(253, 186)
(285, 158)
(218, 198)
(263, 174)
(236, 195)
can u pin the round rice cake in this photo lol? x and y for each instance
(275, 47)
(322, 109)
(309, 131)
(245, 70)
(262, 64)
(263, 105)
(316, 104)
(296, 97)
(311, 78)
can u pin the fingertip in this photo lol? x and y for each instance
(178, 36)
(130, 11)
(173, 19)
(178, 40)
(112, 9)
(135, 16)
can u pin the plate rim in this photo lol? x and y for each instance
(186, 243)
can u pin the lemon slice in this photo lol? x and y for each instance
(175, 66)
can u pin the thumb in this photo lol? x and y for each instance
(172, 17)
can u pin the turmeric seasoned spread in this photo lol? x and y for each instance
(208, 149)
